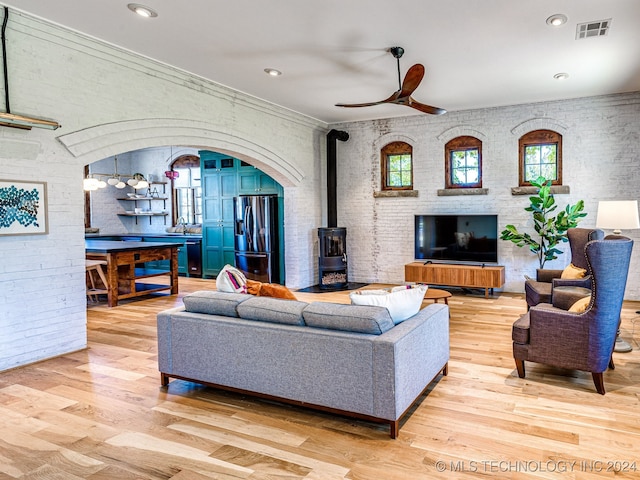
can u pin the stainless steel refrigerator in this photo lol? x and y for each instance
(256, 237)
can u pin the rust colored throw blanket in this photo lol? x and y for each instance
(260, 289)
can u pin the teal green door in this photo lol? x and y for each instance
(219, 188)
(223, 178)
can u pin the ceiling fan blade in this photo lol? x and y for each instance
(411, 80)
(391, 99)
(425, 108)
(350, 105)
(402, 96)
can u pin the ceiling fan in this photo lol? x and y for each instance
(403, 95)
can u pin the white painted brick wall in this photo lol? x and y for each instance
(92, 89)
(600, 158)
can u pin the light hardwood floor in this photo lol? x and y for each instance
(100, 413)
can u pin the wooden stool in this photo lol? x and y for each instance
(91, 267)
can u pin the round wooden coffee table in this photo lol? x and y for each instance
(436, 294)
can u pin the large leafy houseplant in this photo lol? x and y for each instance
(551, 230)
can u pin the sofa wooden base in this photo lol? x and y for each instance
(394, 425)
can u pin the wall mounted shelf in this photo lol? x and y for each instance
(149, 202)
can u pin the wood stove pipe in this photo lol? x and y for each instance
(4, 59)
(332, 203)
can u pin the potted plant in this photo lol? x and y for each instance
(551, 230)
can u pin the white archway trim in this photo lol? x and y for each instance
(539, 124)
(389, 138)
(101, 141)
(461, 131)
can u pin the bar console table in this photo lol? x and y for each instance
(456, 275)
(126, 269)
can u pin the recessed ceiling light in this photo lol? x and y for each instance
(273, 72)
(561, 76)
(557, 20)
(142, 10)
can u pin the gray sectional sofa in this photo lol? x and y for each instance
(347, 359)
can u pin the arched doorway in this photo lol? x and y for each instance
(186, 190)
(102, 141)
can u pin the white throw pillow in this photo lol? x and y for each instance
(402, 302)
(231, 280)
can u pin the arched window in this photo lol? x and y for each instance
(540, 154)
(186, 190)
(463, 163)
(397, 166)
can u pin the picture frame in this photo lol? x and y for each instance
(23, 208)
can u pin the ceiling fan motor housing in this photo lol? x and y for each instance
(397, 52)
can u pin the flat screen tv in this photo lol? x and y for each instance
(457, 238)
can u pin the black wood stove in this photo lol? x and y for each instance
(332, 260)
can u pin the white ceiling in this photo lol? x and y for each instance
(476, 53)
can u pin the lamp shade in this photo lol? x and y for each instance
(618, 215)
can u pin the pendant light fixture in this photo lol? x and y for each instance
(94, 181)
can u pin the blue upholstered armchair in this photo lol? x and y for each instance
(540, 290)
(580, 341)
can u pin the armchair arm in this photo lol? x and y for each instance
(547, 275)
(584, 282)
(558, 337)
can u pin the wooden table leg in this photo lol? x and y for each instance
(174, 271)
(112, 278)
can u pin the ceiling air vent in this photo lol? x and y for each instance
(597, 28)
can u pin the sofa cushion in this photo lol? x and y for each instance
(350, 318)
(214, 303)
(402, 301)
(274, 310)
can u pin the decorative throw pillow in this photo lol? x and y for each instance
(402, 302)
(572, 272)
(581, 305)
(231, 280)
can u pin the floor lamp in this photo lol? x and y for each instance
(618, 215)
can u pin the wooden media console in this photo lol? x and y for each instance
(456, 275)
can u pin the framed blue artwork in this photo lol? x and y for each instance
(23, 208)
